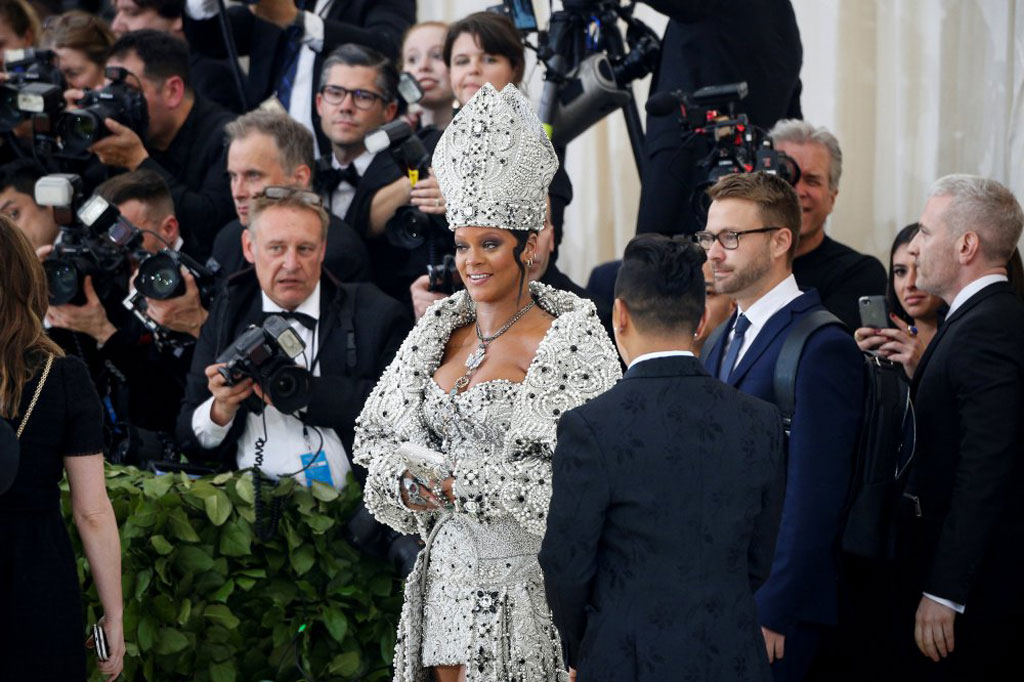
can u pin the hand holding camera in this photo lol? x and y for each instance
(88, 318)
(122, 148)
(226, 398)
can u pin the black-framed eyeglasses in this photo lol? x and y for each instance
(729, 239)
(363, 99)
(280, 193)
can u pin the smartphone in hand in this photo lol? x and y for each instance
(874, 312)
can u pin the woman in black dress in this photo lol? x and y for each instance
(41, 628)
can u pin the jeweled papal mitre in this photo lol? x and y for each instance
(494, 163)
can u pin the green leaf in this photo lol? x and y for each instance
(142, 580)
(243, 486)
(345, 664)
(157, 486)
(253, 572)
(146, 632)
(192, 558)
(161, 545)
(245, 583)
(185, 611)
(221, 615)
(224, 591)
(236, 539)
(170, 641)
(180, 527)
(302, 559)
(336, 623)
(319, 523)
(222, 672)
(381, 585)
(218, 507)
(221, 479)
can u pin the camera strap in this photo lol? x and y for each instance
(346, 323)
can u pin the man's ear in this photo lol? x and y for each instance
(302, 176)
(782, 241)
(390, 110)
(174, 91)
(620, 316)
(968, 247)
(169, 229)
(703, 322)
(248, 245)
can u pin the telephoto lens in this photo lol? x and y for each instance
(160, 277)
(64, 279)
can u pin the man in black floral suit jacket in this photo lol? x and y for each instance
(667, 492)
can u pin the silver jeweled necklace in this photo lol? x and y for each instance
(476, 358)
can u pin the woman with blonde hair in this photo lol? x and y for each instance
(50, 402)
(81, 41)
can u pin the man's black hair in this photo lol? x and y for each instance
(351, 54)
(162, 54)
(662, 284)
(21, 175)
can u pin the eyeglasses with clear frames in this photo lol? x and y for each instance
(279, 193)
(729, 239)
(363, 99)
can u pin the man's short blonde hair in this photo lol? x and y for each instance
(294, 200)
(983, 206)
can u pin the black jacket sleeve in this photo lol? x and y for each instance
(382, 28)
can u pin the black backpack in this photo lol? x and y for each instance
(885, 445)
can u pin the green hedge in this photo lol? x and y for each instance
(206, 600)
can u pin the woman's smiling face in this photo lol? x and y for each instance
(486, 262)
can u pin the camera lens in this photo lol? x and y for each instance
(63, 280)
(80, 128)
(159, 278)
(408, 228)
(10, 115)
(289, 388)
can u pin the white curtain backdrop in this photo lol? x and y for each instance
(913, 89)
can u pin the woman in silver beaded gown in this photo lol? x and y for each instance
(479, 385)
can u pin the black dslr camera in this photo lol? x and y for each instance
(737, 146)
(267, 355)
(410, 228)
(94, 242)
(34, 87)
(82, 126)
(160, 277)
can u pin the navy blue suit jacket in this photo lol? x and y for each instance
(829, 403)
(667, 491)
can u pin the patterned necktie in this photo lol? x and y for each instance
(293, 45)
(725, 369)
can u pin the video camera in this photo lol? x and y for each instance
(94, 241)
(588, 68)
(410, 228)
(266, 354)
(737, 146)
(34, 88)
(81, 127)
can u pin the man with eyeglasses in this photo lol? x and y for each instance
(751, 237)
(351, 332)
(358, 94)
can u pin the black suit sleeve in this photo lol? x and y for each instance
(866, 278)
(988, 399)
(766, 525)
(382, 28)
(685, 11)
(580, 497)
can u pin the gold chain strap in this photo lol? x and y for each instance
(35, 396)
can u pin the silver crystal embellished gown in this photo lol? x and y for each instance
(476, 596)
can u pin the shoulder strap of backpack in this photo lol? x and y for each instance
(784, 379)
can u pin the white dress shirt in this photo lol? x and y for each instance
(762, 310)
(659, 354)
(286, 438)
(300, 107)
(345, 193)
(973, 288)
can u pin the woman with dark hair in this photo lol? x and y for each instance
(81, 41)
(19, 25)
(458, 434)
(915, 313)
(50, 402)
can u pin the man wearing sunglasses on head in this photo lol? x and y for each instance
(350, 331)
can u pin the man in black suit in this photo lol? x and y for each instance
(271, 148)
(961, 527)
(287, 41)
(714, 43)
(667, 492)
(351, 332)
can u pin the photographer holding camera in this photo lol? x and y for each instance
(347, 334)
(183, 142)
